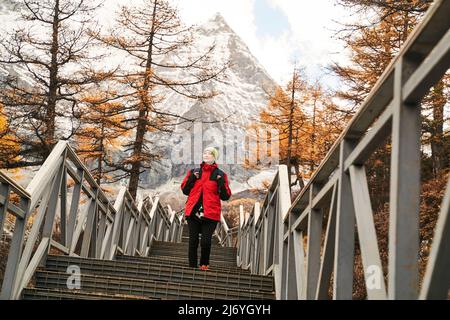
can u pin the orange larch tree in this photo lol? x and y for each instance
(101, 134)
(149, 32)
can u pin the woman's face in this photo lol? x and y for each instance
(208, 157)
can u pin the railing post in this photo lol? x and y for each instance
(15, 251)
(240, 236)
(283, 204)
(345, 230)
(63, 205)
(299, 256)
(255, 257)
(292, 269)
(75, 203)
(91, 224)
(315, 219)
(51, 210)
(119, 208)
(404, 190)
(5, 191)
(326, 267)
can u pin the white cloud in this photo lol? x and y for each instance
(308, 40)
(312, 28)
(273, 53)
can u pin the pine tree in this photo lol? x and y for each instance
(148, 33)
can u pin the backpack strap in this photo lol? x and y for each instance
(216, 172)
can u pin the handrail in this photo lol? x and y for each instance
(224, 233)
(91, 225)
(15, 187)
(289, 242)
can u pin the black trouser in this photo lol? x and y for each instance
(196, 226)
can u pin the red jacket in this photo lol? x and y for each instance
(209, 187)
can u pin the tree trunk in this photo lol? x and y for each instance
(313, 137)
(137, 154)
(439, 149)
(291, 115)
(53, 86)
(102, 154)
(299, 175)
(144, 107)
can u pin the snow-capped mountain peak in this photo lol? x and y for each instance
(243, 96)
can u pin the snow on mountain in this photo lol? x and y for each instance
(9, 12)
(242, 97)
(243, 92)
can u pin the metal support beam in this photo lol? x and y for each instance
(373, 270)
(326, 267)
(345, 231)
(404, 192)
(315, 220)
(436, 283)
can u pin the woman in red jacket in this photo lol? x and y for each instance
(205, 187)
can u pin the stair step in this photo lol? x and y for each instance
(59, 294)
(167, 273)
(218, 261)
(184, 246)
(229, 261)
(182, 251)
(185, 237)
(184, 254)
(214, 242)
(184, 259)
(146, 288)
(158, 260)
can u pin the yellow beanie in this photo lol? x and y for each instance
(213, 151)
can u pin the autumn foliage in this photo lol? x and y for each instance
(304, 116)
(101, 134)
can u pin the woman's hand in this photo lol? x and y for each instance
(196, 173)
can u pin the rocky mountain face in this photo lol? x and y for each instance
(243, 94)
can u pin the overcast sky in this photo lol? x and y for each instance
(278, 32)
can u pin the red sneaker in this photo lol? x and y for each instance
(204, 267)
